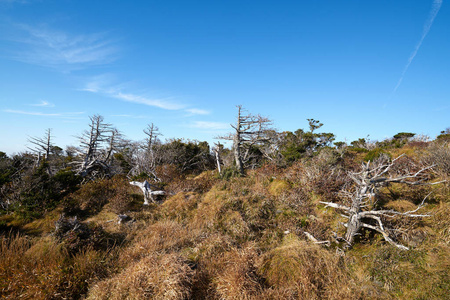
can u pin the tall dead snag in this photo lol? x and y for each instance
(151, 142)
(249, 132)
(372, 177)
(43, 146)
(218, 147)
(145, 154)
(147, 191)
(97, 146)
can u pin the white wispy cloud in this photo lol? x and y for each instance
(196, 111)
(426, 28)
(130, 116)
(103, 85)
(161, 103)
(68, 115)
(43, 103)
(210, 125)
(41, 45)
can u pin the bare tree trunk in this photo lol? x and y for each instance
(237, 153)
(147, 191)
(217, 149)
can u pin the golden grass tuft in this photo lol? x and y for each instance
(413, 274)
(234, 225)
(180, 206)
(401, 205)
(163, 236)
(28, 270)
(165, 276)
(209, 208)
(42, 269)
(304, 270)
(239, 279)
(45, 224)
(277, 187)
(441, 222)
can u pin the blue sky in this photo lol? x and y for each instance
(361, 67)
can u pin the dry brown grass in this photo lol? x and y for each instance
(277, 187)
(441, 222)
(44, 225)
(42, 269)
(226, 239)
(209, 208)
(121, 201)
(92, 196)
(163, 236)
(299, 269)
(239, 279)
(164, 276)
(180, 207)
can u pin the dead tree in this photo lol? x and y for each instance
(96, 149)
(218, 147)
(42, 146)
(249, 131)
(145, 154)
(147, 191)
(372, 177)
(151, 142)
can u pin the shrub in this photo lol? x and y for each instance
(122, 200)
(438, 154)
(230, 172)
(375, 154)
(76, 236)
(92, 196)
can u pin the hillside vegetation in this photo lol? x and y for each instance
(263, 234)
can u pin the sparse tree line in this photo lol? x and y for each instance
(34, 182)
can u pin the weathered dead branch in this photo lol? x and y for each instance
(373, 176)
(147, 191)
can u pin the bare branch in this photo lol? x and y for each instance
(335, 205)
(372, 176)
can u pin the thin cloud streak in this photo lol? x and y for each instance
(61, 50)
(43, 104)
(129, 116)
(102, 85)
(196, 111)
(69, 115)
(210, 125)
(426, 28)
(160, 103)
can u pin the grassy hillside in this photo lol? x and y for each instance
(233, 237)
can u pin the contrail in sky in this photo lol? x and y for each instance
(433, 13)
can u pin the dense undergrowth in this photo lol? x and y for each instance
(230, 237)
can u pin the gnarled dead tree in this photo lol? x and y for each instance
(372, 177)
(249, 132)
(42, 146)
(145, 154)
(98, 144)
(147, 191)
